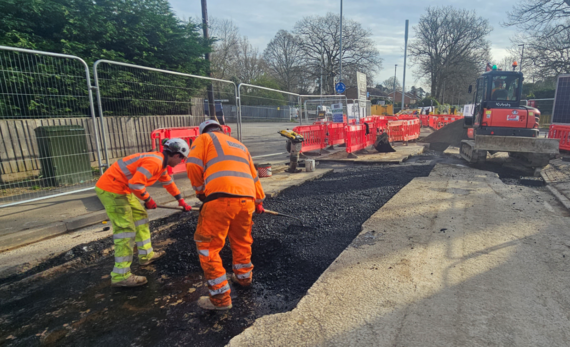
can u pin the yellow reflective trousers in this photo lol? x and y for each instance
(130, 225)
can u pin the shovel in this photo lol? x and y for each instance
(283, 215)
(177, 208)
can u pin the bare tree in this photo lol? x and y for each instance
(389, 85)
(225, 49)
(250, 64)
(284, 59)
(546, 17)
(449, 47)
(319, 41)
(545, 27)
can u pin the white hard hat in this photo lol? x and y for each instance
(177, 146)
(207, 123)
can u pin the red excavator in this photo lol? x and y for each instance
(501, 124)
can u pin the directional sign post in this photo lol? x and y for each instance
(340, 88)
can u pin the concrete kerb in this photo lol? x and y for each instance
(272, 188)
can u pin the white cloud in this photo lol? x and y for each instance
(259, 20)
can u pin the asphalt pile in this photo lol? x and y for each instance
(287, 257)
(449, 135)
(79, 308)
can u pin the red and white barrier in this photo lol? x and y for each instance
(562, 132)
(188, 134)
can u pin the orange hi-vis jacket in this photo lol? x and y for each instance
(218, 163)
(134, 173)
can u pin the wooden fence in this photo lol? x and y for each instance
(19, 153)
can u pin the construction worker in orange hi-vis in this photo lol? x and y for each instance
(225, 180)
(118, 189)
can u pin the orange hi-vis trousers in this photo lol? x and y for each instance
(218, 219)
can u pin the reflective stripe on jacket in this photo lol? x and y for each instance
(218, 163)
(134, 173)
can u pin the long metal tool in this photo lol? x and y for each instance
(179, 208)
(283, 215)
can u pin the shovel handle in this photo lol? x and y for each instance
(170, 207)
(272, 212)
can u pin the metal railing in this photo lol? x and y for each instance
(49, 139)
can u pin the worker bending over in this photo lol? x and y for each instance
(222, 174)
(117, 188)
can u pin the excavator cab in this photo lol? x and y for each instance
(501, 124)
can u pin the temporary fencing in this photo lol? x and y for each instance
(355, 137)
(439, 121)
(334, 133)
(313, 103)
(314, 136)
(263, 112)
(188, 134)
(562, 132)
(135, 100)
(49, 138)
(424, 119)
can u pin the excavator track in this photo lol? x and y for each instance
(470, 154)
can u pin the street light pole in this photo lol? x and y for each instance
(211, 105)
(522, 56)
(395, 68)
(340, 72)
(405, 56)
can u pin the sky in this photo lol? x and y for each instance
(260, 20)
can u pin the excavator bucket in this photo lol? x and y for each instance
(382, 144)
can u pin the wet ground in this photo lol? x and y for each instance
(79, 308)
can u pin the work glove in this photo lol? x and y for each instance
(259, 209)
(184, 205)
(149, 204)
(201, 197)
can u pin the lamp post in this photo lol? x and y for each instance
(340, 72)
(522, 56)
(395, 68)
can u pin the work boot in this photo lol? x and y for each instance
(205, 303)
(132, 281)
(155, 256)
(243, 283)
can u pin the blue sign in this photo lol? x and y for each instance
(340, 87)
(367, 94)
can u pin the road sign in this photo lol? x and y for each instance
(340, 87)
(337, 113)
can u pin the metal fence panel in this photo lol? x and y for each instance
(135, 100)
(312, 104)
(49, 143)
(264, 112)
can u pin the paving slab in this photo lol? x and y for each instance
(454, 259)
(370, 156)
(557, 176)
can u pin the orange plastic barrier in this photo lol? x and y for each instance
(335, 133)
(403, 130)
(188, 134)
(424, 119)
(314, 136)
(562, 132)
(439, 121)
(355, 137)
